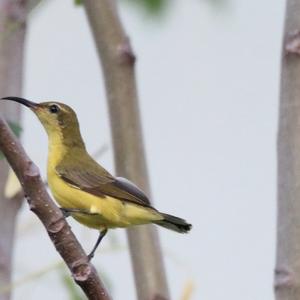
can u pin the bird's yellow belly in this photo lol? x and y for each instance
(106, 212)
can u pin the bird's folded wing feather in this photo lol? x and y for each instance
(101, 183)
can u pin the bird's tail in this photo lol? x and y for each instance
(174, 223)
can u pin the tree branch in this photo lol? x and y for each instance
(50, 215)
(12, 37)
(117, 61)
(32, 4)
(287, 273)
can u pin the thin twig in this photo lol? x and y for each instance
(98, 153)
(33, 4)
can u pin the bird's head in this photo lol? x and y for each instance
(57, 118)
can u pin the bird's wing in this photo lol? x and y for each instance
(100, 183)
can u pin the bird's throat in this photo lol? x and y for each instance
(61, 144)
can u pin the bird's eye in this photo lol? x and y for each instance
(53, 109)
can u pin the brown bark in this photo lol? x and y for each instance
(117, 60)
(13, 16)
(42, 205)
(287, 273)
(12, 35)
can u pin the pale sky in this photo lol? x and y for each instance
(208, 85)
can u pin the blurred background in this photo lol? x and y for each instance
(208, 77)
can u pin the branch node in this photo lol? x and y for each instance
(81, 270)
(126, 53)
(56, 225)
(284, 278)
(292, 43)
(31, 170)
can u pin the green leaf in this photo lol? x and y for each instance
(154, 7)
(16, 128)
(78, 2)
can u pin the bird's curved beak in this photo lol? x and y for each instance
(23, 101)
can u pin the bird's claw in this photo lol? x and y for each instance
(66, 213)
(90, 256)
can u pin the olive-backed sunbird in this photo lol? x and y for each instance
(84, 189)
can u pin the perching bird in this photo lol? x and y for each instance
(83, 188)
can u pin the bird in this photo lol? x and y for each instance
(82, 187)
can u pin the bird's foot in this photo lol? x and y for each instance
(66, 212)
(101, 236)
(90, 256)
